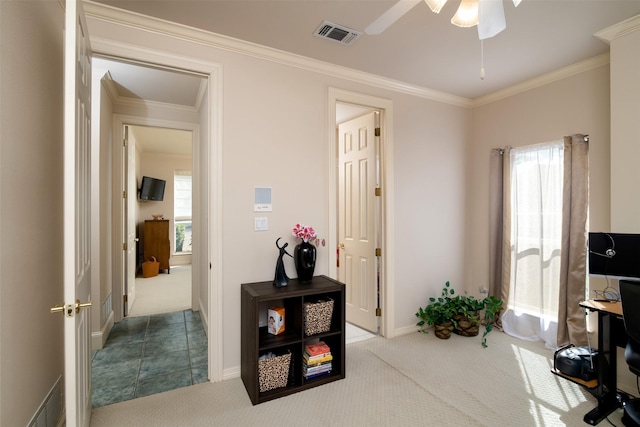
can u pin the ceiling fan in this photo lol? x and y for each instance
(487, 14)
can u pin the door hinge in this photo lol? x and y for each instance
(378, 312)
(124, 194)
(378, 251)
(125, 298)
(125, 246)
(124, 142)
(378, 191)
(378, 131)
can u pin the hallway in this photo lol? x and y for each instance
(148, 355)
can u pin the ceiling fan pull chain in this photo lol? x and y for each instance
(481, 59)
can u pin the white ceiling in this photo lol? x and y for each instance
(422, 48)
(162, 140)
(135, 82)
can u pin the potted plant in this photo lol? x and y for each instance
(459, 314)
(466, 321)
(492, 308)
(438, 313)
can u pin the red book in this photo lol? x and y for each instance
(318, 349)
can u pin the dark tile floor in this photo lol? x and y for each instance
(148, 355)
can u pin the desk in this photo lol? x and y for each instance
(611, 333)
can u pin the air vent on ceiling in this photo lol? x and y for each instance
(337, 33)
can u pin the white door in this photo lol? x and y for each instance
(129, 222)
(77, 267)
(357, 181)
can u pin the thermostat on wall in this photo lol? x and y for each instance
(262, 199)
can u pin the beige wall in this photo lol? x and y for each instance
(202, 188)
(625, 133)
(160, 166)
(274, 133)
(625, 149)
(578, 104)
(102, 277)
(31, 105)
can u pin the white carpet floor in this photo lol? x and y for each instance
(163, 293)
(414, 379)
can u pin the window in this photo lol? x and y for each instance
(536, 229)
(182, 195)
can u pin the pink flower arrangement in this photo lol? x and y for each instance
(304, 232)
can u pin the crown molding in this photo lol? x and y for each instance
(107, 82)
(544, 79)
(620, 29)
(109, 14)
(204, 85)
(153, 105)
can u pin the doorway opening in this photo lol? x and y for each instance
(361, 206)
(145, 348)
(163, 227)
(359, 218)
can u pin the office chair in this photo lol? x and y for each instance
(630, 297)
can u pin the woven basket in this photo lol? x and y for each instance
(273, 372)
(317, 317)
(150, 268)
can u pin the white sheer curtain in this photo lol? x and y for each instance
(535, 196)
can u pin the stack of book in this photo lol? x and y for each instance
(317, 360)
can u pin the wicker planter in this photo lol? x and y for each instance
(466, 327)
(443, 331)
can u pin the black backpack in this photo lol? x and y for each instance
(579, 362)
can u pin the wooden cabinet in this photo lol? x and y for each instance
(155, 242)
(256, 300)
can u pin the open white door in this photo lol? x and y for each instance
(357, 181)
(77, 266)
(129, 221)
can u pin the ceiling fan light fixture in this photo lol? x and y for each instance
(467, 14)
(436, 5)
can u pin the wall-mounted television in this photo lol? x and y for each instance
(614, 255)
(152, 189)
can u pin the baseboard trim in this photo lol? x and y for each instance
(98, 339)
(231, 373)
(406, 330)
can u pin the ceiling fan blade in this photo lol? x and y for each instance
(490, 18)
(394, 13)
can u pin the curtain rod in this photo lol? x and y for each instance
(501, 150)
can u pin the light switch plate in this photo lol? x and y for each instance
(261, 224)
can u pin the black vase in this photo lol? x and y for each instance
(304, 256)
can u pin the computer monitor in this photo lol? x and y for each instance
(614, 255)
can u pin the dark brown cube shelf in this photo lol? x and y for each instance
(256, 341)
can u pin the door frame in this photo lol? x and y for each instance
(120, 121)
(387, 264)
(211, 208)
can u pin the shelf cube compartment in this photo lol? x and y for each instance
(273, 372)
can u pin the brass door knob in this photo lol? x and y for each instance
(71, 309)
